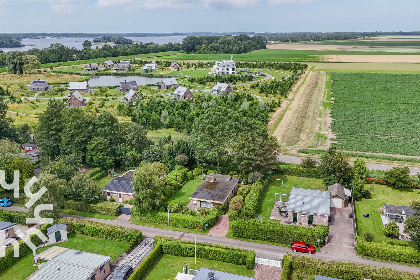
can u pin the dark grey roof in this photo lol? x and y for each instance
(216, 191)
(120, 184)
(78, 96)
(220, 87)
(6, 225)
(39, 82)
(129, 174)
(130, 94)
(71, 265)
(337, 190)
(393, 209)
(203, 274)
(56, 227)
(180, 91)
(309, 201)
(29, 145)
(408, 211)
(128, 84)
(318, 277)
(109, 62)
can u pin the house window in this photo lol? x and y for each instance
(108, 194)
(6, 234)
(102, 270)
(205, 204)
(93, 277)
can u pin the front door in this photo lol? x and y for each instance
(57, 236)
(108, 195)
(295, 217)
(119, 198)
(310, 219)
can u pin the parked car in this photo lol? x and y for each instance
(123, 273)
(5, 202)
(299, 246)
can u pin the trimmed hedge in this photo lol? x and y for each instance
(387, 252)
(147, 264)
(181, 220)
(13, 217)
(250, 206)
(207, 251)
(273, 231)
(298, 170)
(104, 208)
(9, 260)
(104, 231)
(342, 270)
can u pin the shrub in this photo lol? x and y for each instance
(308, 162)
(342, 270)
(244, 190)
(104, 208)
(147, 264)
(273, 231)
(112, 199)
(398, 177)
(254, 177)
(299, 171)
(391, 229)
(104, 231)
(369, 236)
(387, 252)
(207, 251)
(13, 217)
(377, 181)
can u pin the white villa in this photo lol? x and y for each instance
(225, 67)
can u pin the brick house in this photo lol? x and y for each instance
(221, 89)
(167, 83)
(307, 207)
(75, 100)
(127, 86)
(131, 96)
(174, 65)
(182, 93)
(7, 230)
(81, 87)
(216, 189)
(69, 264)
(121, 188)
(39, 85)
(108, 64)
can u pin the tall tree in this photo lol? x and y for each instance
(359, 177)
(6, 128)
(412, 224)
(99, 154)
(30, 62)
(14, 62)
(87, 44)
(335, 168)
(50, 127)
(148, 185)
(64, 166)
(82, 188)
(106, 126)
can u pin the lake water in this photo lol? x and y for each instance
(76, 42)
(109, 81)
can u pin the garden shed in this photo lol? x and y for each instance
(57, 233)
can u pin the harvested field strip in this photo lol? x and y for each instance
(377, 113)
(298, 127)
(379, 67)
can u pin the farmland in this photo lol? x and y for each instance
(375, 112)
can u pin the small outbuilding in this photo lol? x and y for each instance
(340, 196)
(7, 230)
(57, 233)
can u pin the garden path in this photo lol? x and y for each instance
(221, 227)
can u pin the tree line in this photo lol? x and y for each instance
(119, 40)
(279, 87)
(10, 42)
(230, 79)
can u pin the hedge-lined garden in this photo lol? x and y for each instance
(297, 267)
(273, 231)
(207, 251)
(103, 208)
(147, 264)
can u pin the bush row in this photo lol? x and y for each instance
(273, 231)
(147, 264)
(387, 252)
(9, 260)
(104, 231)
(13, 217)
(342, 270)
(250, 207)
(377, 181)
(104, 208)
(298, 170)
(181, 220)
(207, 251)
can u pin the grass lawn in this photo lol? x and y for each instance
(20, 119)
(182, 196)
(196, 73)
(87, 214)
(169, 266)
(154, 135)
(289, 182)
(23, 268)
(31, 107)
(380, 195)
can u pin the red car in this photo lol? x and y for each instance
(299, 246)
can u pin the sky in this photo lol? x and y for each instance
(162, 16)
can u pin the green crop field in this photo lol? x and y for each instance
(375, 112)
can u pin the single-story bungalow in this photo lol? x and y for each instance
(7, 230)
(57, 233)
(340, 196)
(69, 264)
(121, 188)
(397, 213)
(39, 85)
(82, 87)
(216, 189)
(308, 207)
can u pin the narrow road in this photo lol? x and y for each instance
(371, 166)
(262, 250)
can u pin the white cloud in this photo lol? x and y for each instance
(280, 2)
(66, 5)
(176, 4)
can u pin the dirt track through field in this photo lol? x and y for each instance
(373, 58)
(309, 47)
(298, 126)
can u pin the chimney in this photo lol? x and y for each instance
(211, 275)
(210, 178)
